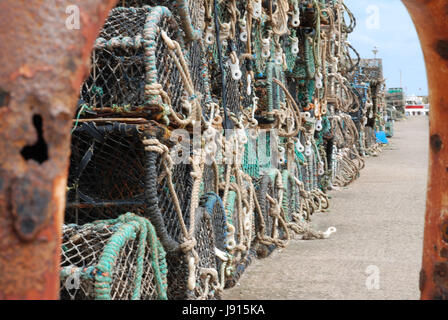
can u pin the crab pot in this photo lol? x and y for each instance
(370, 137)
(107, 170)
(111, 173)
(190, 10)
(117, 77)
(130, 55)
(291, 197)
(165, 218)
(241, 267)
(111, 261)
(205, 237)
(264, 185)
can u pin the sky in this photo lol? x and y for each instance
(387, 25)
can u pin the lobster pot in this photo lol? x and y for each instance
(117, 76)
(112, 260)
(370, 137)
(199, 72)
(209, 183)
(230, 89)
(237, 219)
(214, 207)
(205, 237)
(264, 185)
(162, 211)
(194, 16)
(130, 56)
(107, 170)
(291, 196)
(178, 271)
(111, 173)
(195, 8)
(232, 93)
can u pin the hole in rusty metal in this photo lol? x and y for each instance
(27, 226)
(436, 142)
(4, 98)
(442, 48)
(444, 229)
(38, 151)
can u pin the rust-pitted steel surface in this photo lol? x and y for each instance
(430, 18)
(42, 66)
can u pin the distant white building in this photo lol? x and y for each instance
(415, 107)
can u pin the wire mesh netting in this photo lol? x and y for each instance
(183, 184)
(113, 261)
(125, 54)
(214, 207)
(265, 186)
(203, 231)
(137, 3)
(290, 197)
(106, 176)
(370, 137)
(178, 268)
(196, 7)
(204, 235)
(117, 77)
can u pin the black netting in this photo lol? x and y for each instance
(218, 217)
(209, 181)
(206, 252)
(183, 184)
(177, 277)
(124, 23)
(140, 3)
(241, 267)
(195, 7)
(107, 170)
(265, 186)
(291, 199)
(199, 70)
(178, 268)
(117, 77)
(232, 93)
(167, 73)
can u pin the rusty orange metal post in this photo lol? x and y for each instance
(431, 20)
(44, 59)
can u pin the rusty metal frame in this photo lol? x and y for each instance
(43, 63)
(430, 19)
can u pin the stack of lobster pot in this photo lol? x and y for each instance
(207, 134)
